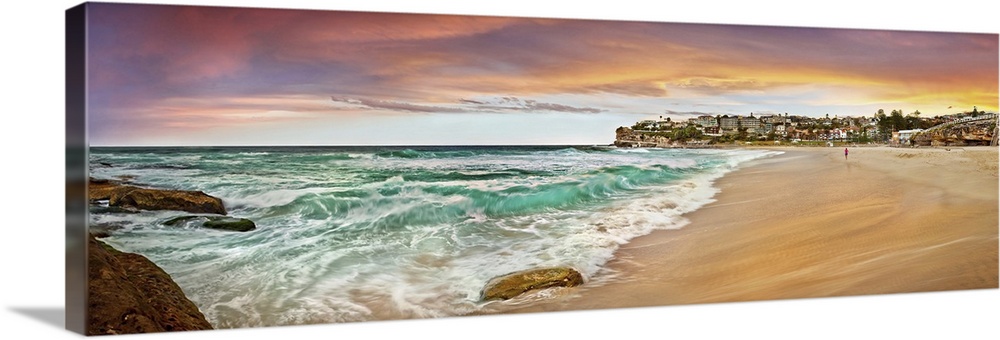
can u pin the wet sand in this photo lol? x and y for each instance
(809, 223)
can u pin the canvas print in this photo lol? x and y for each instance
(252, 167)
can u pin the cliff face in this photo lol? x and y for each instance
(127, 293)
(627, 138)
(960, 134)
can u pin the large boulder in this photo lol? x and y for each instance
(158, 199)
(214, 222)
(514, 284)
(101, 189)
(128, 197)
(127, 293)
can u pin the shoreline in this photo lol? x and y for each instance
(810, 224)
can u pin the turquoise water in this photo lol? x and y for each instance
(371, 233)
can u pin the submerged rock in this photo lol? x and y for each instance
(514, 284)
(181, 219)
(230, 223)
(106, 209)
(127, 293)
(215, 222)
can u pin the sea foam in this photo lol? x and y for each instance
(389, 233)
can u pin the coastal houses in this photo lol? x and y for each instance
(903, 137)
(729, 123)
(750, 123)
(896, 128)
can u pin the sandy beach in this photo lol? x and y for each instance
(809, 223)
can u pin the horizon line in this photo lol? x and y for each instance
(334, 145)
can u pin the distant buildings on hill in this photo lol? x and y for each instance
(887, 128)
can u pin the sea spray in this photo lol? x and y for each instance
(368, 233)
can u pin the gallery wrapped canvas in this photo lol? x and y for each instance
(235, 167)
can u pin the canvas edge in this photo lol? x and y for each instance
(76, 169)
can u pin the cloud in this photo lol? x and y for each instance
(722, 85)
(395, 106)
(630, 88)
(689, 113)
(495, 105)
(508, 104)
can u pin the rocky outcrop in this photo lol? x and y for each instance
(978, 132)
(101, 189)
(132, 197)
(628, 138)
(215, 222)
(514, 284)
(127, 293)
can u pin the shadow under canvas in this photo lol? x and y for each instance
(53, 316)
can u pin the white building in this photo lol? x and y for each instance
(905, 135)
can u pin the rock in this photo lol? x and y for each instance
(127, 293)
(104, 209)
(181, 219)
(978, 132)
(157, 199)
(101, 189)
(215, 222)
(627, 138)
(131, 197)
(102, 230)
(514, 284)
(230, 223)
(99, 233)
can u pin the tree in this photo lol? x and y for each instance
(898, 122)
(913, 121)
(863, 137)
(688, 132)
(883, 123)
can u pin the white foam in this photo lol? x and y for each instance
(270, 198)
(636, 150)
(296, 270)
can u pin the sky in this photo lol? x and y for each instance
(189, 75)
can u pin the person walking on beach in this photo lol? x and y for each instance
(845, 154)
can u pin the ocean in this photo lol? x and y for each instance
(349, 234)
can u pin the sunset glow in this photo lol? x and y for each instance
(182, 75)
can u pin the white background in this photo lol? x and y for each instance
(33, 173)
